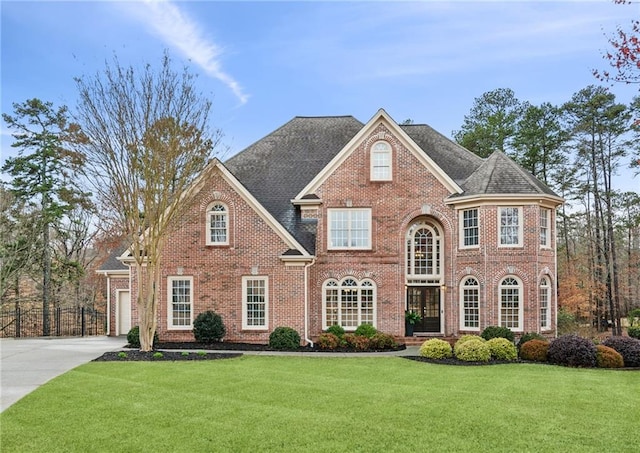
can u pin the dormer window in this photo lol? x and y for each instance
(218, 224)
(381, 161)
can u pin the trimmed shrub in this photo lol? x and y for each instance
(463, 339)
(572, 350)
(529, 336)
(627, 347)
(357, 342)
(208, 327)
(366, 330)
(473, 351)
(336, 329)
(634, 332)
(502, 349)
(328, 340)
(436, 349)
(497, 332)
(284, 338)
(607, 357)
(382, 341)
(133, 337)
(534, 350)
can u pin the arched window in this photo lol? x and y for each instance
(545, 301)
(218, 224)
(381, 168)
(423, 251)
(511, 310)
(349, 303)
(470, 304)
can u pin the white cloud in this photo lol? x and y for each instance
(177, 29)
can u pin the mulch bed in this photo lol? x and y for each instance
(136, 355)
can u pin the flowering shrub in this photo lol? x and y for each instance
(534, 350)
(572, 350)
(357, 342)
(502, 349)
(436, 349)
(382, 341)
(463, 339)
(328, 341)
(497, 332)
(629, 349)
(473, 351)
(607, 357)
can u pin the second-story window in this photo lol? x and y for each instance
(381, 162)
(218, 225)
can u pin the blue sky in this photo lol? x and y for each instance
(263, 63)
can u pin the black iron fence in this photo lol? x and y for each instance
(63, 322)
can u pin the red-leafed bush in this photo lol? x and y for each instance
(572, 350)
(534, 350)
(608, 357)
(629, 349)
(328, 341)
(357, 342)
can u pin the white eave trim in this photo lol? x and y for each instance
(306, 201)
(505, 198)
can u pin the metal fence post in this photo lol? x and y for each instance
(17, 322)
(84, 322)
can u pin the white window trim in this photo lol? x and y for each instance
(546, 288)
(360, 287)
(208, 223)
(170, 281)
(462, 229)
(520, 303)
(330, 213)
(389, 152)
(463, 286)
(245, 325)
(437, 253)
(520, 227)
(546, 212)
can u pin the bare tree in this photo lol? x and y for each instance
(148, 138)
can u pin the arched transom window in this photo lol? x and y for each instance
(470, 304)
(545, 300)
(511, 310)
(423, 251)
(349, 303)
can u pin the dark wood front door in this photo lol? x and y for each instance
(425, 300)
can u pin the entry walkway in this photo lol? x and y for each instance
(27, 363)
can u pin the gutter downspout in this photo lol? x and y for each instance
(306, 301)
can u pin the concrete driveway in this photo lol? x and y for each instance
(27, 363)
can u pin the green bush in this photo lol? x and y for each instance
(566, 322)
(336, 329)
(357, 342)
(608, 357)
(284, 338)
(502, 349)
(634, 332)
(634, 317)
(473, 351)
(436, 349)
(497, 332)
(464, 338)
(328, 340)
(534, 350)
(529, 336)
(366, 330)
(208, 327)
(133, 337)
(382, 341)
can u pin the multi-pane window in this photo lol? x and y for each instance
(545, 300)
(510, 226)
(381, 162)
(510, 304)
(180, 298)
(423, 250)
(470, 304)
(218, 231)
(255, 298)
(349, 303)
(545, 231)
(470, 231)
(349, 228)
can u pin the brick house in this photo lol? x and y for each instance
(331, 221)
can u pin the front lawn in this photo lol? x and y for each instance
(326, 404)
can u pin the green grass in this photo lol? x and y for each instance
(318, 404)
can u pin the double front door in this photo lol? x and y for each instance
(425, 300)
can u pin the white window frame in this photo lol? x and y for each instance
(507, 284)
(464, 228)
(435, 257)
(170, 294)
(545, 227)
(544, 299)
(351, 213)
(469, 285)
(381, 169)
(210, 219)
(519, 226)
(338, 288)
(245, 303)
